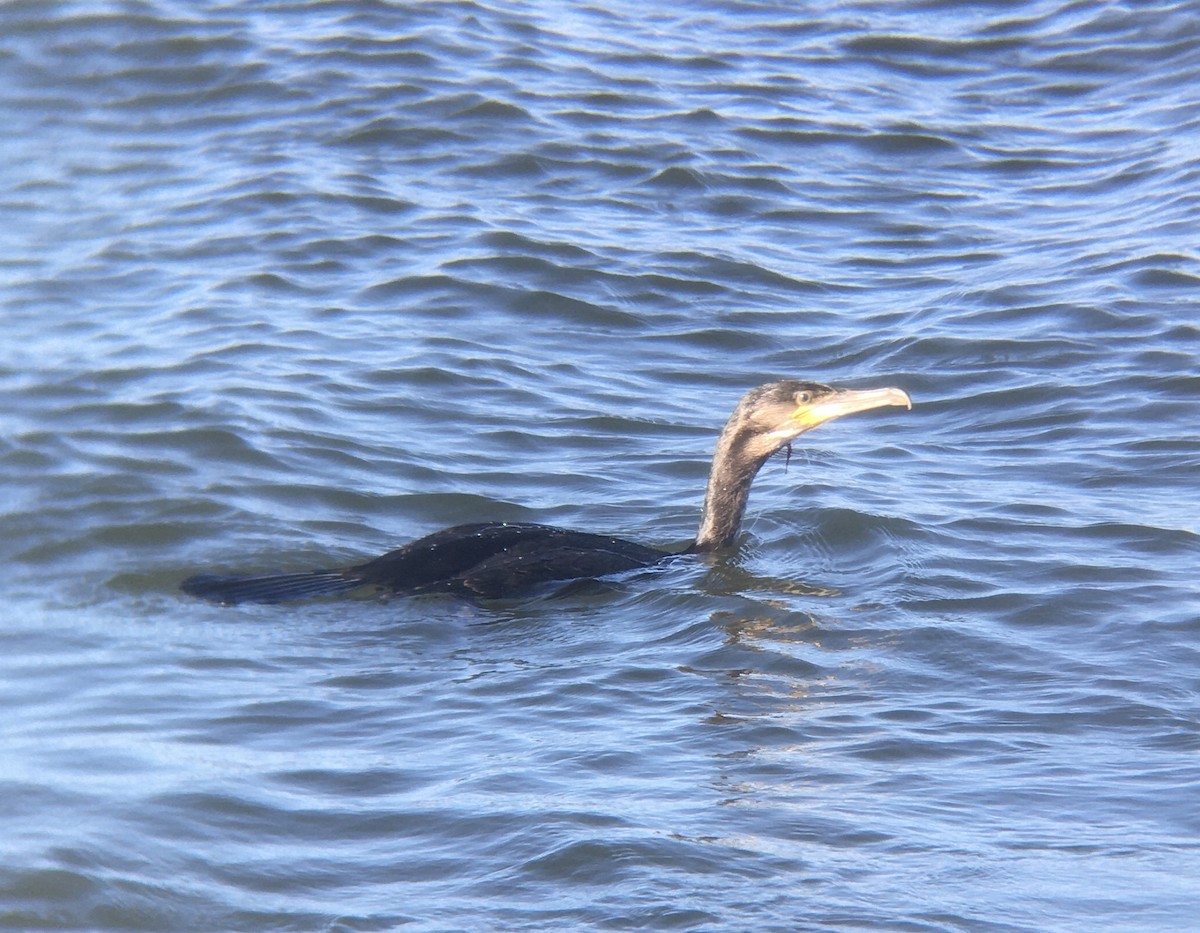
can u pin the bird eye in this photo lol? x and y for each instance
(803, 398)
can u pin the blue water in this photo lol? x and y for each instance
(286, 285)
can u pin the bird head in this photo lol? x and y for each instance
(774, 414)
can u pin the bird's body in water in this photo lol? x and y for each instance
(496, 559)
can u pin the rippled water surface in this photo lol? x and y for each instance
(285, 285)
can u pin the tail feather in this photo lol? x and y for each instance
(268, 587)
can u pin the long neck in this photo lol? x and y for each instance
(735, 464)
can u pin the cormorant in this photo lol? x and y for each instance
(495, 559)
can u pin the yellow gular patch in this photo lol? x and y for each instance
(808, 416)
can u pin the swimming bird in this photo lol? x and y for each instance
(489, 560)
